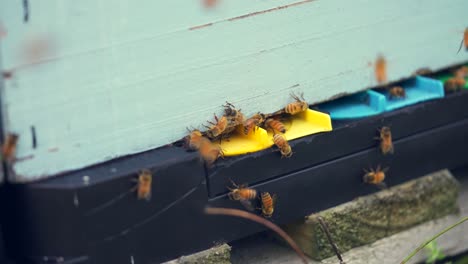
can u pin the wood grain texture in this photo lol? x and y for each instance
(111, 78)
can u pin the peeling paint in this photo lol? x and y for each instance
(25, 11)
(251, 14)
(269, 10)
(7, 74)
(201, 26)
(21, 159)
(54, 149)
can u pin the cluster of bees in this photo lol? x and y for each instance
(246, 195)
(232, 119)
(457, 82)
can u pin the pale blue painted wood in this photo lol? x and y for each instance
(124, 77)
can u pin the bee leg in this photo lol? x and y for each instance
(234, 184)
(302, 96)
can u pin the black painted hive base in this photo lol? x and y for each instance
(92, 216)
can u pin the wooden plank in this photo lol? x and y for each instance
(115, 79)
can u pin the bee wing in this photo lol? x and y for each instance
(382, 185)
(274, 197)
(391, 149)
(247, 204)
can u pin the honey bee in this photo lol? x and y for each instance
(217, 128)
(381, 69)
(243, 194)
(251, 123)
(422, 72)
(464, 41)
(144, 185)
(210, 152)
(194, 139)
(396, 92)
(296, 107)
(461, 72)
(281, 142)
(375, 177)
(268, 204)
(386, 144)
(454, 84)
(9, 147)
(275, 125)
(209, 3)
(235, 117)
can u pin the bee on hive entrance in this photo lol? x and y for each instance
(396, 92)
(281, 142)
(251, 123)
(296, 107)
(234, 116)
(9, 147)
(381, 69)
(454, 84)
(144, 185)
(275, 125)
(422, 72)
(464, 42)
(375, 177)
(461, 72)
(268, 204)
(210, 152)
(217, 128)
(242, 194)
(194, 139)
(386, 143)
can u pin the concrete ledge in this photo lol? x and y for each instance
(370, 218)
(215, 255)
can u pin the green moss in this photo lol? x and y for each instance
(373, 217)
(216, 255)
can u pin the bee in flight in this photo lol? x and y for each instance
(194, 140)
(375, 177)
(281, 142)
(242, 194)
(464, 41)
(275, 125)
(268, 204)
(396, 92)
(300, 105)
(144, 183)
(209, 151)
(251, 123)
(9, 147)
(386, 143)
(381, 69)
